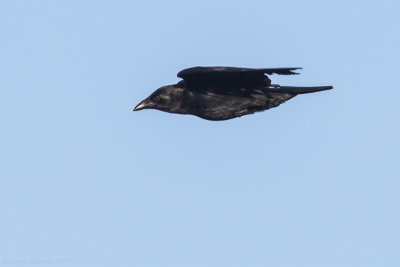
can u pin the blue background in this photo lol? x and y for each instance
(87, 182)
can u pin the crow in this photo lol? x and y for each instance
(223, 93)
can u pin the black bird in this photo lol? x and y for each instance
(223, 93)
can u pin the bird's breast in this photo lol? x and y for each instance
(214, 106)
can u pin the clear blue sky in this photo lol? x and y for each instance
(87, 182)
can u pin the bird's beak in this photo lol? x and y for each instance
(142, 105)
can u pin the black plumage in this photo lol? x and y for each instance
(222, 93)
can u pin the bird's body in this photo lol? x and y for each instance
(222, 93)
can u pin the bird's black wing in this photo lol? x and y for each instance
(206, 77)
(233, 71)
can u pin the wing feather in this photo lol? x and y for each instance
(220, 78)
(199, 71)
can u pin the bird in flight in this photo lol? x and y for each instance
(223, 93)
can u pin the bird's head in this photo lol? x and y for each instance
(166, 98)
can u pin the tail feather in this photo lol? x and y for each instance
(298, 90)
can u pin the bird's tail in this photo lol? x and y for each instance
(298, 90)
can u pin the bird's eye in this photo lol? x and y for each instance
(158, 98)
